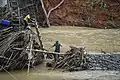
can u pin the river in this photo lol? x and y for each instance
(109, 43)
(43, 73)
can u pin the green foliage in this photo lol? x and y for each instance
(98, 3)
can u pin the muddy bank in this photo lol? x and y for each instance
(89, 13)
(92, 13)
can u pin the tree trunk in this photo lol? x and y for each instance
(45, 12)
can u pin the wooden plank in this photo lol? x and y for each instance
(47, 52)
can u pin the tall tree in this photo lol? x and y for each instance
(47, 15)
(45, 12)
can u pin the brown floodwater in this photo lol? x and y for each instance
(39, 73)
(42, 73)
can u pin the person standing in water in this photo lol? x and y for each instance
(57, 46)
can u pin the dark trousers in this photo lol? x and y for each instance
(25, 24)
(56, 56)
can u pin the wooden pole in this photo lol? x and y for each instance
(41, 51)
(30, 54)
(19, 16)
(38, 35)
(36, 27)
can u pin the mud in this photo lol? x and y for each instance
(91, 13)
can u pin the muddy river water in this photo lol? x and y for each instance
(111, 41)
(42, 73)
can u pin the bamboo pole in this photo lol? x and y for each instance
(19, 16)
(30, 54)
(9, 73)
(38, 35)
(37, 30)
(46, 52)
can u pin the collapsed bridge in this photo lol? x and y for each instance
(23, 49)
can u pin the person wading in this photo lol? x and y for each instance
(57, 46)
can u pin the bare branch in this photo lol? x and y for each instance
(48, 14)
(55, 8)
(45, 12)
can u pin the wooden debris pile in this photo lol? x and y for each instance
(15, 49)
(75, 59)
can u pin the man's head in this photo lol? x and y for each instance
(57, 42)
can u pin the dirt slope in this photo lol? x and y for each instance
(95, 13)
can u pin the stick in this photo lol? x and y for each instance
(9, 73)
(30, 54)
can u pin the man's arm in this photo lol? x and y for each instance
(61, 45)
(52, 46)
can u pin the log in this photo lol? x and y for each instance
(41, 51)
